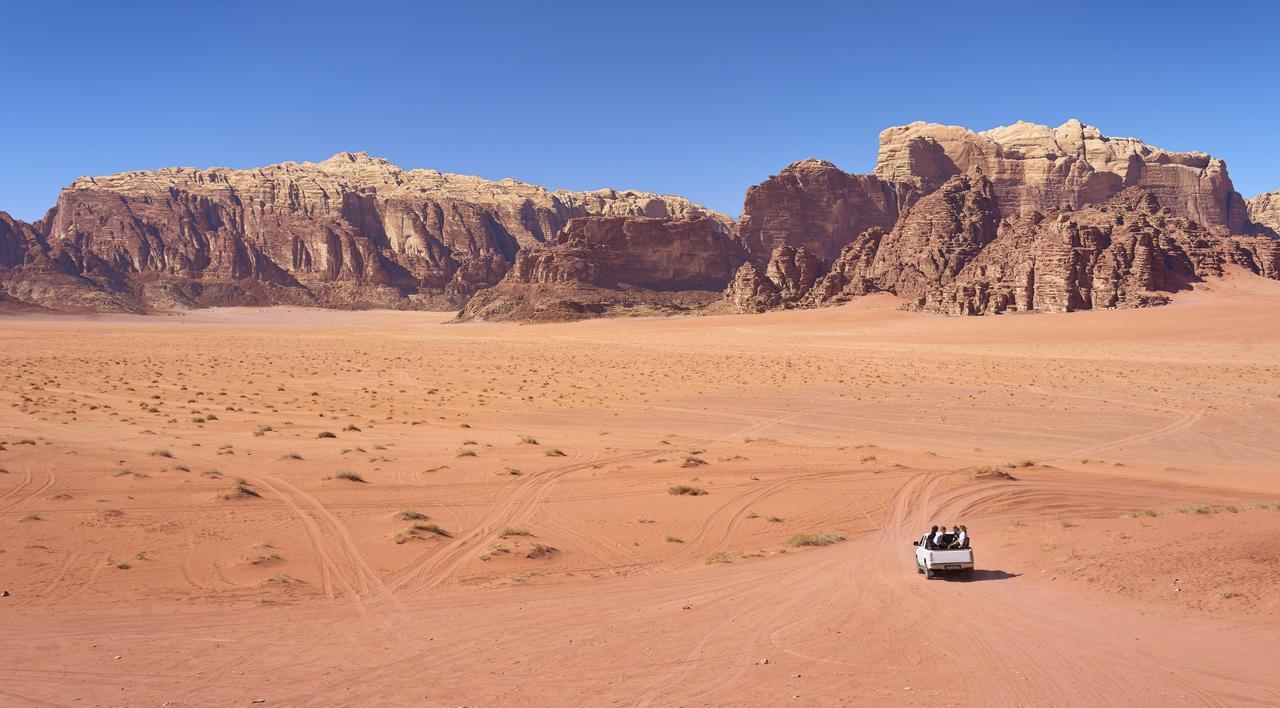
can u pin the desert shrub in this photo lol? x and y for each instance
(242, 489)
(691, 461)
(821, 538)
(686, 490)
(674, 539)
(466, 453)
(408, 515)
(538, 550)
(509, 532)
(326, 434)
(430, 528)
(348, 475)
(161, 453)
(554, 452)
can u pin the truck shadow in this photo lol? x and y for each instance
(978, 576)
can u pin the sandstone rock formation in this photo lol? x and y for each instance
(814, 204)
(1264, 211)
(787, 278)
(1127, 252)
(1020, 217)
(952, 253)
(1038, 168)
(351, 231)
(751, 291)
(600, 265)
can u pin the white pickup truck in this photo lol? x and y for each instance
(931, 560)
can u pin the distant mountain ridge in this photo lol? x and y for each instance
(1018, 218)
(352, 231)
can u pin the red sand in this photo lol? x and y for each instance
(134, 581)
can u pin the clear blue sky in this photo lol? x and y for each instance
(700, 99)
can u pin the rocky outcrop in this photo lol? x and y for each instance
(1127, 252)
(612, 265)
(1022, 217)
(953, 254)
(787, 278)
(942, 233)
(1264, 211)
(938, 197)
(19, 242)
(932, 242)
(1038, 168)
(815, 205)
(32, 276)
(751, 291)
(351, 231)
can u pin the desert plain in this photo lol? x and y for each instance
(308, 507)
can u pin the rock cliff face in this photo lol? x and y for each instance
(952, 253)
(1020, 217)
(815, 205)
(351, 231)
(1264, 211)
(1127, 252)
(1038, 168)
(602, 265)
(18, 240)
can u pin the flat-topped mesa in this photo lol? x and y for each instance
(614, 265)
(1038, 168)
(350, 231)
(815, 205)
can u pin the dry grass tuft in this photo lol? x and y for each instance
(348, 475)
(821, 538)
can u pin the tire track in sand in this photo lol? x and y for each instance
(513, 506)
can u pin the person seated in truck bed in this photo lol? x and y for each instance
(940, 537)
(961, 539)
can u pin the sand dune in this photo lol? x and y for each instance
(317, 507)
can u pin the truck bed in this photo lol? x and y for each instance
(959, 557)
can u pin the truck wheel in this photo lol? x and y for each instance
(919, 568)
(928, 574)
